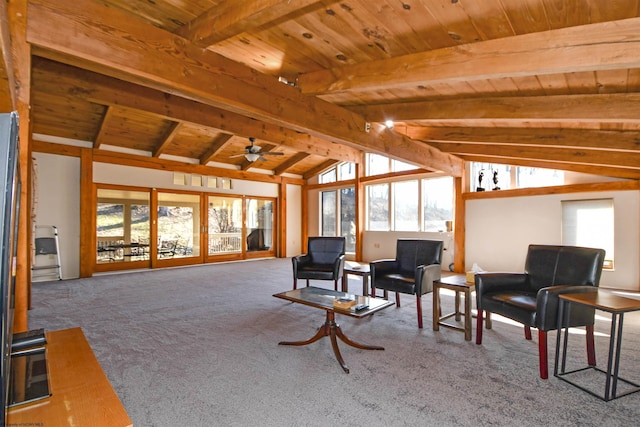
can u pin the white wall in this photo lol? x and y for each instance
(498, 232)
(294, 220)
(106, 173)
(57, 202)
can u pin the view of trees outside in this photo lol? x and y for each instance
(437, 203)
(348, 217)
(405, 206)
(225, 224)
(329, 209)
(378, 207)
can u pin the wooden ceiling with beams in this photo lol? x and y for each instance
(544, 83)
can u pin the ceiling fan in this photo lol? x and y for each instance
(253, 152)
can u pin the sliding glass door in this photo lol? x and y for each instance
(260, 227)
(122, 229)
(144, 228)
(178, 228)
(224, 227)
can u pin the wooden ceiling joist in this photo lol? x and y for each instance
(170, 133)
(290, 162)
(217, 145)
(585, 138)
(600, 46)
(232, 17)
(555, 108)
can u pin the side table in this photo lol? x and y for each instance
(357, 269)
(458, 284)
(604, 301)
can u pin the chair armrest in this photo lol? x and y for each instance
(494, 282)
(338, 266)
(383, 265)
(425, 275)
(547, 303)
(299, 260)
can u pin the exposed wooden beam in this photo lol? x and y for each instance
(216, 145)
(620, 107)
(603, 46)
(103, 128)
(231, 17)
(168, 136)
(7, 78)
(320, 168)
(623, 159)
(296, 158)
(585, 138)
(103, 39)
(110, 92)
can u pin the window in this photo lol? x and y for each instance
(437, 202)
(225, 225)
(537, 177)
(589, 223)
(405, 206)
(398, 166)
(346, 171)
(378, 207)
(122, 225)
(504, 177)
(328, 177)
(377, 164)
(342, 172)
(348, 217)
(340, 214)
(329, 210)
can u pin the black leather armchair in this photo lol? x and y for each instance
(531, 298)
(417, 265)
(324, 260)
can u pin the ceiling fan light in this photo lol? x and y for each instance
(252, 157)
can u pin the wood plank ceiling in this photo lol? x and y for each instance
(545, 83)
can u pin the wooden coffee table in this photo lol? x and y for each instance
(323, 299)
(457, 283)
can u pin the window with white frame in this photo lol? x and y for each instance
(589, 223)
(437, 202)
(415, 205)
(490, 176)
(338, 216)
(406, 212)
(378, 207)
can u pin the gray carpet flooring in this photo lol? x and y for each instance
(198, 346)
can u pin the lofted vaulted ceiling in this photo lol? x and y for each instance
(544, 83)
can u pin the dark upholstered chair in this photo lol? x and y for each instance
(531, 298)
(416, 266)
(324, 260)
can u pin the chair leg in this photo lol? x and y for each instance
(591, 347)
(397, 299)
(295, 283)
(527, 332)
(542, 354)
(419, 306)
(479, 317)
(335, 285)
(307, 283)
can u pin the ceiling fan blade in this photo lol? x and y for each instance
(272, 153)
(237, 155)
